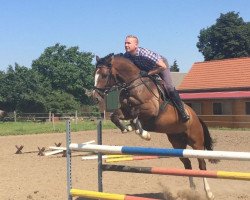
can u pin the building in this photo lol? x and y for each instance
(219, 91)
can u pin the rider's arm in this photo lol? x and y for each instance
(161, 65)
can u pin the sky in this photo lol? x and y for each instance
(168, 27)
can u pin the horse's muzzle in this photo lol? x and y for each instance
(96, 97)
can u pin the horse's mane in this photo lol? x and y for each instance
(118, 57)
(104, 60)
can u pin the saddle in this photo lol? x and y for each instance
(161, 89)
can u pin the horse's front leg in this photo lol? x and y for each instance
(134, 112)
(116, 117)
(139, 130)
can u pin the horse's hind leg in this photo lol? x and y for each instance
(179, 141)
(198, 144)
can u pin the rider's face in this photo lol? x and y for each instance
(131, 45)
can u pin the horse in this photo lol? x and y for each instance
(142, 99)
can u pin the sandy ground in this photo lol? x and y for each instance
(29, 176)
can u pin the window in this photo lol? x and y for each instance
(247, 108)
(196, 107)
(217, 108)
(222, 108)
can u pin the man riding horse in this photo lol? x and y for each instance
(140, 96)
(152, 63)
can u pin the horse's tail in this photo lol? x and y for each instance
(208, 141)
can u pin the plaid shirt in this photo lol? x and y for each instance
(144, 58)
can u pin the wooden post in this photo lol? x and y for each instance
(76, 117)
(53, 121)
(49, 116)
(14, 116)
(104, 115)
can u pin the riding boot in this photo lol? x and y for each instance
(174, 96)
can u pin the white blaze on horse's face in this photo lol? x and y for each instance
(96, 78)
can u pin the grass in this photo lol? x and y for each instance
(26, 128)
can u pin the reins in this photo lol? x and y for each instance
(123, 86)
(130, 86)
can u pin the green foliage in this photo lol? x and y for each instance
(21, 89)
(66, 69)
(60, 101)
(174, 67)
(56, 82)
(229, 37)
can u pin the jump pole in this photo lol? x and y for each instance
(178, 172)
(131, 158)
(112, 156)
(107, 196)
(185, 153)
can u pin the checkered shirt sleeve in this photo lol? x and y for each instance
(144, 58)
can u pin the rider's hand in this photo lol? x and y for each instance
(143, 73)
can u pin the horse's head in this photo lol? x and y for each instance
(103, 77)
(110, 71)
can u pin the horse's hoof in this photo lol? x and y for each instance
(124, 131)
(144, 135)
(129, 128)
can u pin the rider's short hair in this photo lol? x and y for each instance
(133, 36)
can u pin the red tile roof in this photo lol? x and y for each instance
(228, 73)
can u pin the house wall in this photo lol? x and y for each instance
(236, 119)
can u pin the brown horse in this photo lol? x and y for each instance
(143, 103)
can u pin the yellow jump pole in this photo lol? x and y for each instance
(130, 158)
(96, 195)
(101, 195)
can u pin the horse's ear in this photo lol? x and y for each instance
(97, 58)
(110, 59)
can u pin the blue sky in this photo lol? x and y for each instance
(169, 27)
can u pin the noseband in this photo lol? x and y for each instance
(102, 91)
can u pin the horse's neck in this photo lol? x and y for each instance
(127, 72)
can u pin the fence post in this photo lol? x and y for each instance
(49, 116)
(14, 116)
(104, 115)
(53, 121)
(76, 117)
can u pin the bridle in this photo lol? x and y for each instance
(120, 85)
(104, 90)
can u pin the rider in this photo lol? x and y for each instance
(152, 63)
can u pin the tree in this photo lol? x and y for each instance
(22, 90)
(56, 82)
(229, 37)
(67, 70)
(174, 67)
